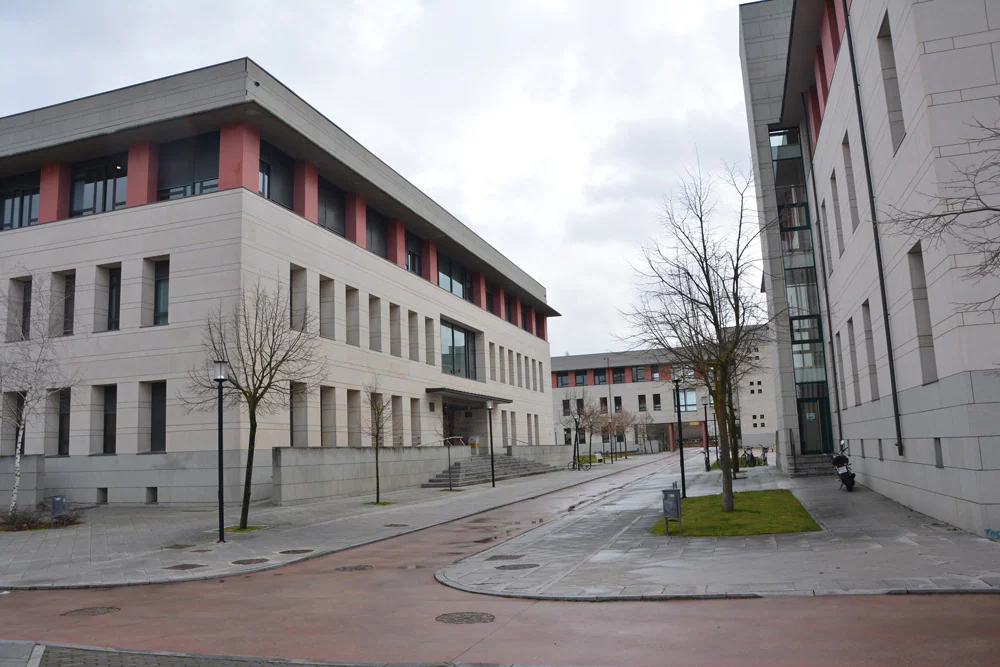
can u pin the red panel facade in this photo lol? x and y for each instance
(53, 192)
(515, 305)
(836, 10)
(143, 170)
(590, 377)
(542, 327)
(305, 196)
(819, 71)
(429, 261)
(479, 289)
(815, 115)
(553, 379)
(397, 242)
(357, 217)
(529, 319)
(239, 156)
(827, 45)
(500, 302)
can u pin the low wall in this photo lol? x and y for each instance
(310, 474)
(553, 455)
(32, 488)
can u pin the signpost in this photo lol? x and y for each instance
(672, 509)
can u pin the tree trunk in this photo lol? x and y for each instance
(18, 451)
(378, 485)
(726, 461)
(734, 445)
(245, 510)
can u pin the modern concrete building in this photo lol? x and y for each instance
(640, 383)
(149, 206)
(857, 109)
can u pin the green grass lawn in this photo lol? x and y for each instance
(248, 529)
(755, 513)
(384, 502)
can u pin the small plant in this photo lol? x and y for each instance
(246, 529)
(36, 518)
(380, 502)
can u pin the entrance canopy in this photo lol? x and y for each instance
(466, 399)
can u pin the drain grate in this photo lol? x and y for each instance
(289, 552)
(396, 525)
(517, 566)
(505, 557)
(250, 561)
(412, 567)
(466, 618)
(184, 566)
(92, 611)
(179, 546)
(353, 568)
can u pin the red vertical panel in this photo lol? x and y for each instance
(572, 378)
(829, 48)
(837, 19)
(515, 305)
(529, 319)
(429, 261)
(53, 192)
(553, 379)
(143, 170)
(815, 116)
(590, 377)
(649, 372)
(819, 71)
(305, 198)
(357, 228)
(239, 156)
(499, 302)
(542, 326)
(397, 242)
(479, 290)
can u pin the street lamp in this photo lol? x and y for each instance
(708, 462)
(493, 474)
(608, 374)
(221, 375)
(680, 440)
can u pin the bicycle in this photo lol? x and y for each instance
(579, 463)
(748, 459)
(763, 456)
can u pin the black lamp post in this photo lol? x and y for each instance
(493, 474)
(221, 375)
(608, 374)
(680, 439)
(708, 461)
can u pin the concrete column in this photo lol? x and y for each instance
(127, 419)
(34, 442)
(479, 289)
(328, 417)
(239, 156)
(305, 197)
(340, 311)
(314, 416)
(312, 301)
(400, 428)
(143, 170)
(414, 337)
(340, 408)
(54, 192)
(429, 261)
(81, 420)
(397, 331)
(356, 221)
(397, 242)
(134, 284)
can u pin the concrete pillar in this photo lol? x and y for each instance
(239, 156)
(329, 436)
(340, 310)
(54, 192)
(397, 242)
(429, 261)
(313, 417)
(143, 171)
(127, 419)
(356, 220)
(305, 194)
(134, 312)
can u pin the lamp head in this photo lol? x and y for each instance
(489, 405)
(221, 370)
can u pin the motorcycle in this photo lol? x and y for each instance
(843, 467)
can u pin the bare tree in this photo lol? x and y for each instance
(699, 299)
(573, 417)
(645, 423)
(31, 369)
(619, 423)
(266, 356)
(591, 420)
(376, 423)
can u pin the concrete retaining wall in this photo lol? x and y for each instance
(553, 455)
(32, 488)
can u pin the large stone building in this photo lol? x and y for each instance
(151, 205)
(858, 110)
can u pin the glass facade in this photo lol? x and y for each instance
(99, 185)
(458, 351)
(19, 201)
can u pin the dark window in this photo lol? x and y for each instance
(19, 201)
(642, 403)
(414, 249)
(161, 294)
(638, 374)
(604, 404)
(600, 376)
(99, 185)
(562, 379)
(276, 180)
(604, 436)
(489, 297)
(453, 277)
(581, 378)
(567, 436)
(114, 298)
(110, 418)
(158, 417)
(524, 317)
(618, 403)
(64, 410)
(654, 371)
(565, 407)
(508, 308)
(618, 375)
(26, 309)
(188, 167)
(458, 351)
(332, 210)
(579, 406)
(377, 227)
(581, 436)
(69, 303)
(657, 406)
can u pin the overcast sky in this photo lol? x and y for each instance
(551, 128)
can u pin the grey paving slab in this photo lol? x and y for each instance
(124, 546)
(868, 544)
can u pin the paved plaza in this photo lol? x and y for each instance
(117, 546)
(868, 544)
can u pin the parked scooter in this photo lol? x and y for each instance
(843, 467)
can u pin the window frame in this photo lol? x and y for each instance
(161, 292)
(469, 353)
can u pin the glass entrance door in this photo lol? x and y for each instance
(814, 425)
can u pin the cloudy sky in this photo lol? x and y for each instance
(553, 128)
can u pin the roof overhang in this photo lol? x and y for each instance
(467, 398)
(803, 38)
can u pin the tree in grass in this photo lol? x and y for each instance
(270, 346)
(574, 417)
(376, 423)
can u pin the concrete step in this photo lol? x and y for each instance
(478, 471)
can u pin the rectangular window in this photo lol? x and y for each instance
(276, 179)
(508, 308)
(657, 405)
(377, 230)
(852, 350)
(565, 407)
(68, 303)
(19, 200)
(562, 379)
(581, 435)
(642, 403)
(689, 400)
(188, 167)
(890, 84)
(458, 351)
(600, 376)
(581, 378)
(843, 379)
(835, 197)
(654, 370)
(454, 278)
(114, 298)
(429, 345)
(19, 309)
(618, 375)
(866, 320)
(825, 223)
(604, 404)
(65, 403)
(567, 436)
(922, 314)
(332, 209)
(618, 403)
(161, 293)
(524, 317)
(109, 444)
(579, 406)
(158, 417)
(605, 437)
(638, 374)
(938, 454)
(852, 194)
(98, 185)
(414, 248)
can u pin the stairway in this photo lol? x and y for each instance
(809, 465)
(477, 471)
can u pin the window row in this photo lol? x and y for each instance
(515, 369)
(599, 376)
(509, 429)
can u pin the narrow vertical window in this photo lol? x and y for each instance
(922, 314)
(853, 352)
(825, 223)
(866, 320)
(835, 195)
(26, 309)
(890, 84)
(161, 293)
(110, 419)
(68, 303)
(158, 417)
(264, 180)
(852, 194)
(114, 298)
(65, 404)
(938, 454)
(843, 384)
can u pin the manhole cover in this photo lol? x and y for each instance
(289, 552)
(504, 557)
(184, 566)
(353, 568)
(413, 567)
(93, 611)
(517, 566)
(179, 546)
(201, 551)
(396, 525)
(466, 618)
(250, 561)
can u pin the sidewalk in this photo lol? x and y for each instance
(121, 546)
(868, 544)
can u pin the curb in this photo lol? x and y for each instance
(317, 554)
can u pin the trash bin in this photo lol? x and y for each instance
(672, 509)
